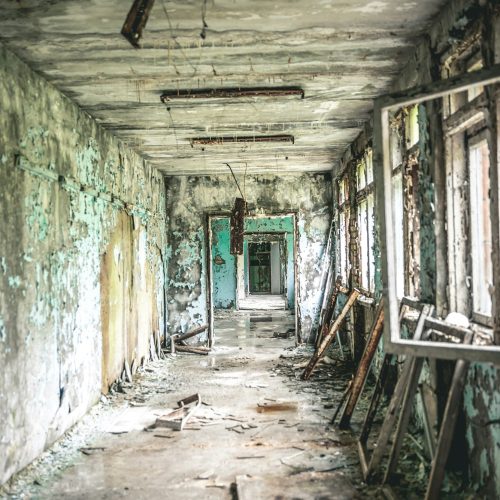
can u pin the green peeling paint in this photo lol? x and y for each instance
(14, 281)
(426, 210)
(223, 265)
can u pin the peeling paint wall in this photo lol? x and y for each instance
(223, 265)
(190, 199)
(69, 193)
(482, 392)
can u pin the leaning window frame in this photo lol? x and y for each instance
(393, 342)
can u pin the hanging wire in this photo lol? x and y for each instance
(236, 180)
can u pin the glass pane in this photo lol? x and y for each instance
(344, 246)
(482, 272)
(397, 214)
(473, 92)
(411, 125)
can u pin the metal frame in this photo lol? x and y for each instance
(393, 343)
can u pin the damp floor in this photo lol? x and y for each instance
(259, 434)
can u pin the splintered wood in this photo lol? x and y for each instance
(356, 387)
(178, 418)
(330, 336)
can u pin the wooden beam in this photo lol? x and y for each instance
(330, 336)
(364, 366)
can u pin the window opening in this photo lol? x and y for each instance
(344, 240)
(365, 207)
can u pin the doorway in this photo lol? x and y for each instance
(263, 277)
(259, 269)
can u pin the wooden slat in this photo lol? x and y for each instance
(364, 366)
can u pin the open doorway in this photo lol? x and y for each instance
(259, 269)
(263, 277)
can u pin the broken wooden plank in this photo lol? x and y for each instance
(192, 350)
(128, 372)
(238, 226)
(448, 426)
(329, 311)
(395, 404)
(178, 418)
(364, 366)
(188, 335)
(330, 336)
(136, 20)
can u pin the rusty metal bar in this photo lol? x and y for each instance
(242, 138)
(169, 95)
(136, 20)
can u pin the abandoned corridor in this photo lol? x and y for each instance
(166, 167)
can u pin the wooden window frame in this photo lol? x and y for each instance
(344, 208)
(362, 195)
(393, 343)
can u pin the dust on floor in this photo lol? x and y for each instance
(261, 432)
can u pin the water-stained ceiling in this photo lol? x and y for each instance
(341, 53)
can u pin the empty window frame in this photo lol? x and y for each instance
(383, 108)
(480, 227)
(404, 152)
(365, 201)
(468, 214)
(344, 220)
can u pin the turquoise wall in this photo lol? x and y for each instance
(223, 265)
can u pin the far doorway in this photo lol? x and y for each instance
(263, 284)
(266, 267)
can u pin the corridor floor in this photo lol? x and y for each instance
(260, 433)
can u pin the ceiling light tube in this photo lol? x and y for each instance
(242, 138)
(223, 93)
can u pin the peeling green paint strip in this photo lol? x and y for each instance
(71, 185)
(14, 281)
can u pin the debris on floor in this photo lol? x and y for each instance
(178, 418)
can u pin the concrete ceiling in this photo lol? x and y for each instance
(342, 53)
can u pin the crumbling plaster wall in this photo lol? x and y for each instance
(190, 199)
(66, 186)
(482, 392)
